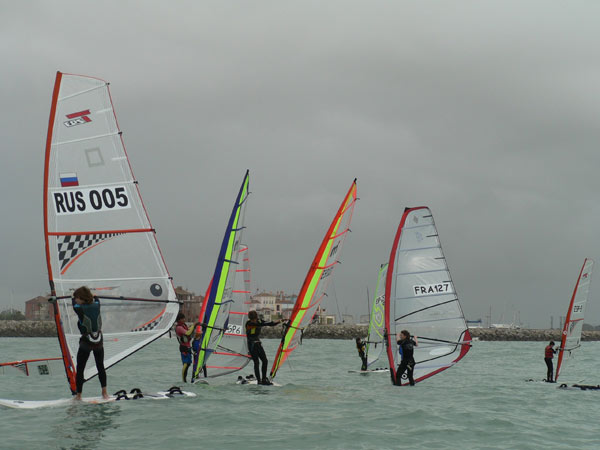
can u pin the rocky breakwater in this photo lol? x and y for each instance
(513, 334)
(321, 332)
(27, 328)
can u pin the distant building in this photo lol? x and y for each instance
(364, 319)
(192, 303)
(39, 308)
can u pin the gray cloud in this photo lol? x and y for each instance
(487, 113)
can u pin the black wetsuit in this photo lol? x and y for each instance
(90, 326)
(406, 349)
(548, 355)
(256, 349)
(360, 346)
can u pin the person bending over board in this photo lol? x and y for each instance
(253, 328)
(406, 345)
(360, 346)
(87, 308)
(549, 352)
(184, 336)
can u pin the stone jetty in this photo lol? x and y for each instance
(28, 328)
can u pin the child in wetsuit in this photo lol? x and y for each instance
(253, 328)
(549, 352)
(360, 346)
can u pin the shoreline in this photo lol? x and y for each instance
(29, 328)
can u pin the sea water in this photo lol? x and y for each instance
(484, 402)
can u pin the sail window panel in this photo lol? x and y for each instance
(96, 162)
(426, 260)
(418, 238)
(73, 85)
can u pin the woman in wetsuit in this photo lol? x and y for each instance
(87, 308)
(406, 346)
(253, 328)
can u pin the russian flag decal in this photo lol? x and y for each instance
(68, 179)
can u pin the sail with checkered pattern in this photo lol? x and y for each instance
(97, 232)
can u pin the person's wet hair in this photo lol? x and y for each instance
(84, 294)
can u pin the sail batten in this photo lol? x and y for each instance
(89, 185)
(420, 297)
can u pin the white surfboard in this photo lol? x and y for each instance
(250, 380)
(34, 404)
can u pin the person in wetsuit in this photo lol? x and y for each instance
(253, 328)
(184, 336)
(549, 352)
(406, 345)
(360, 346)
(87, 308)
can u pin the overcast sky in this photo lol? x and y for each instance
(487, 112)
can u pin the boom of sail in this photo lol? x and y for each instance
(573, 326)
(420, 297)
(96, 229)
(317, 279)
(221, 299)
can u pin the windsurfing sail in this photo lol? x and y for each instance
(96, 229)
(317, 279)
(420, 297)
(220, 300)
(571, 334)
(376, 336)
(231, 354)
(33, 367)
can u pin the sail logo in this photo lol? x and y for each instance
(77, 118)
(584, 275)
(432, 289)
(577, 308)
(326, 273)
(83, 201)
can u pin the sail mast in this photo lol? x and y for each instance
(66, 355)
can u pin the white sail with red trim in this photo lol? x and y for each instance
(573, 326)
(96, 228)
(420, 297)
